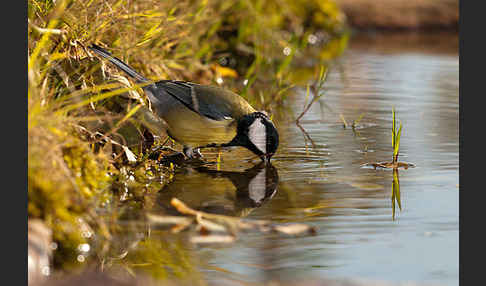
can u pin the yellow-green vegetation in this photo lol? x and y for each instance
(86, 143)
(64, 181)
(396, 133)
(316, 90)
(395, 137)
(164, 259)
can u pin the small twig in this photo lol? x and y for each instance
(314, 99)
(234, 223)
(130, 156)
(306, 135)
(316, 88)
(44, 30)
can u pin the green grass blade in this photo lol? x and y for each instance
(307, 95)
(321, 73)
(128, 115)
(397, 141)
(322, 77)
(93, 99)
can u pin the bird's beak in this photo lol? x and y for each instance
(266, 158)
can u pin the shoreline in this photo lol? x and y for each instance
(401, 14)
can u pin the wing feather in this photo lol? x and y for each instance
(212, 102)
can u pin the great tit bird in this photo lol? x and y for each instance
(201, 116)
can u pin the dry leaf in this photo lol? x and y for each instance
(130, 156)
(224, 71)
(389, 165)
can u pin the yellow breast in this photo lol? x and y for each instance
(192, 129)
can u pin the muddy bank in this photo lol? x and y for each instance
(410, 41)
(401, 14)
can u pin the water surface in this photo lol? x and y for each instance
(322, 181)
(318, 175)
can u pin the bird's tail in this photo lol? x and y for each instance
(117, 62)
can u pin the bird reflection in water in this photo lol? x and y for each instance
(234, 193)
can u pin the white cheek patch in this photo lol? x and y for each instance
(258, 135)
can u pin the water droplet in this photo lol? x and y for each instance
(84, 247)
(312, 39)
(53, 245)
(219, 80)
(46, 271)
(287, 51)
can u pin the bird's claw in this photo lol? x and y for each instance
(192, 153)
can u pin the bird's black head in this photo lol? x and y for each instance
(257, 133)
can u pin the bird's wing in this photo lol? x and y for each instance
(210, 101)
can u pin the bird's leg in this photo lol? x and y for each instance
(188, 152)
(164, 148)
(197, 153)
(192, 153)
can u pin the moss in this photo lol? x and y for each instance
(65, 180)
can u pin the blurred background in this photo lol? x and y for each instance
(402, 15)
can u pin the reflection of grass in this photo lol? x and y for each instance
(395, 192)
(316, 95)
(164, 260)
(137, 249)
